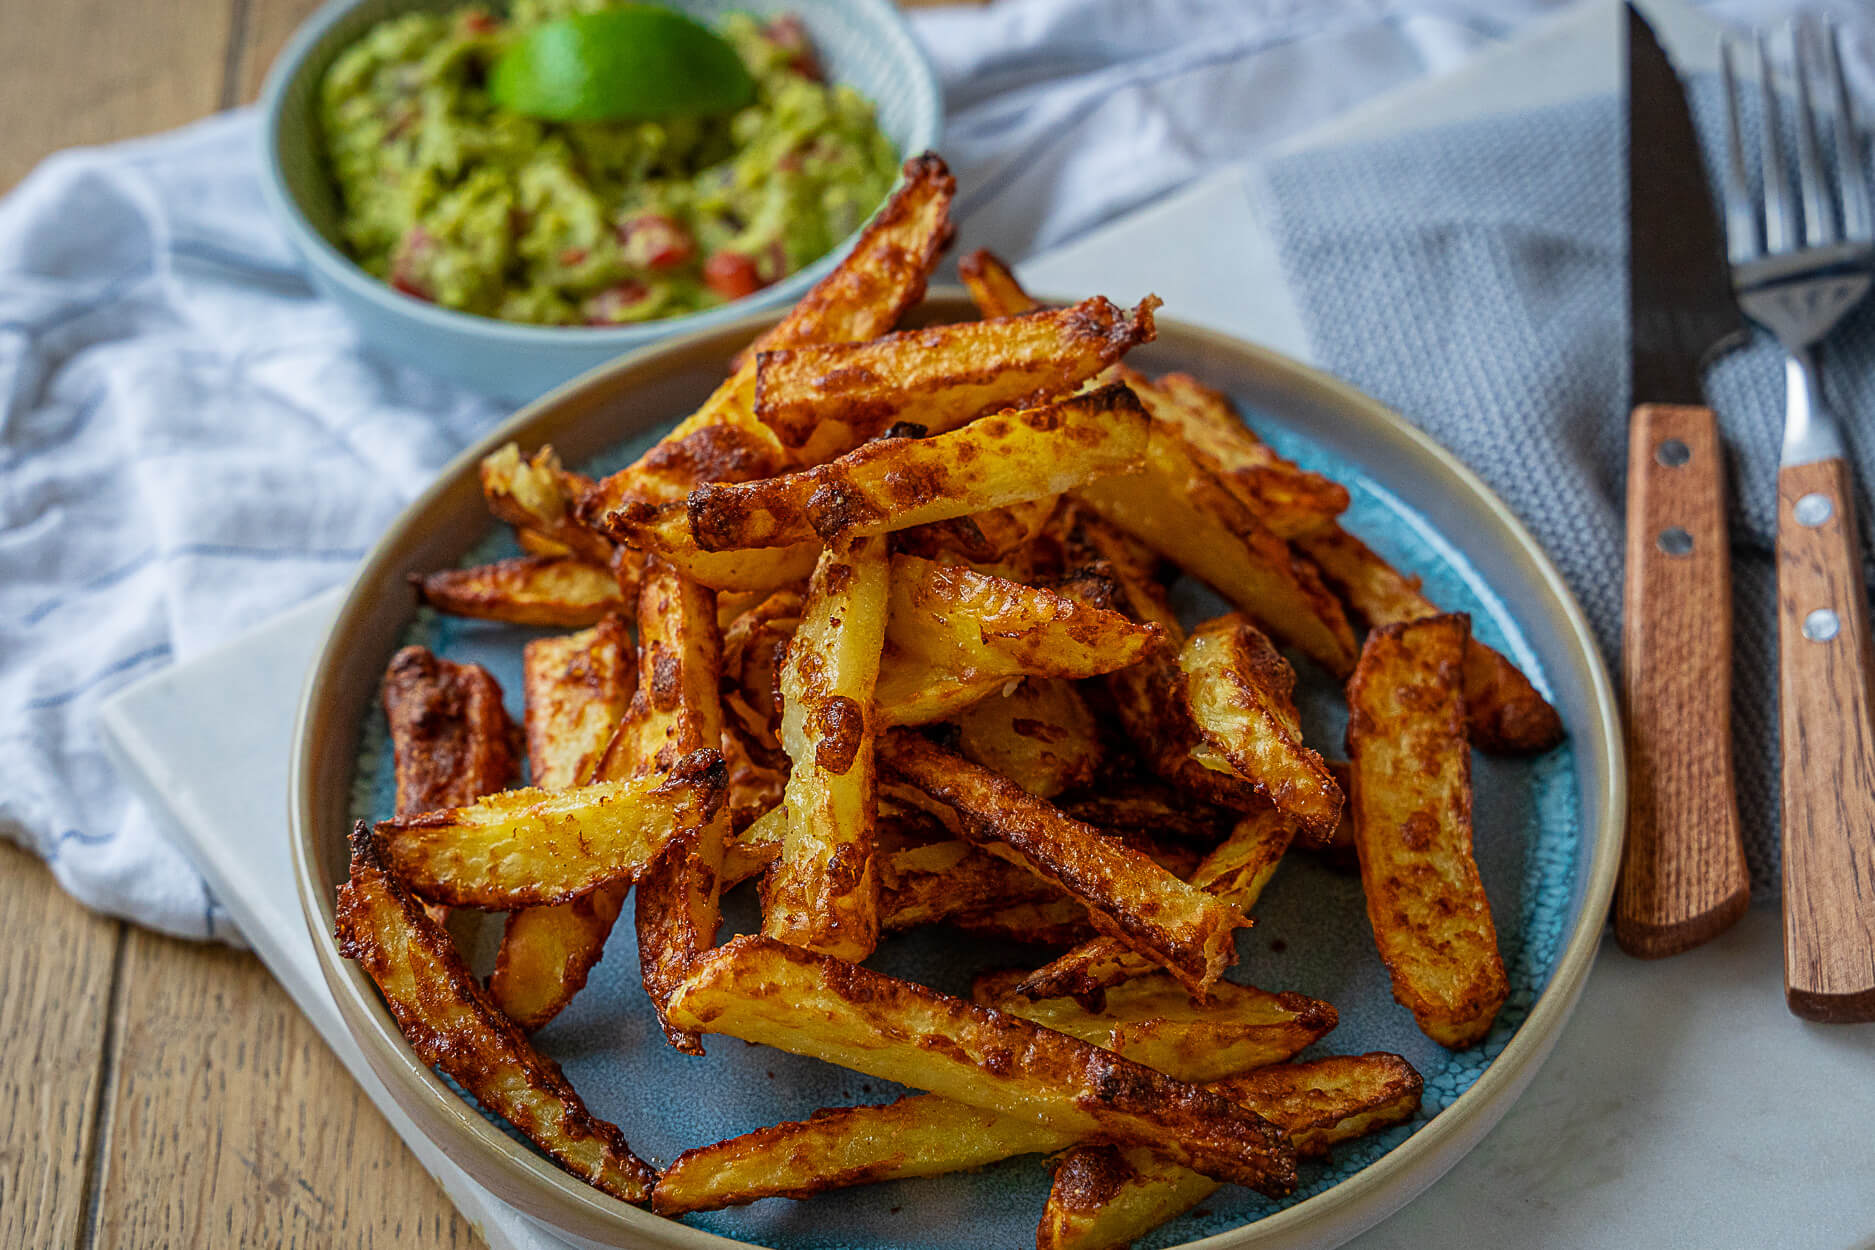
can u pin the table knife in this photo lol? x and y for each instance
(1683, 877)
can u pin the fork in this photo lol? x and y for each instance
(1799, 289)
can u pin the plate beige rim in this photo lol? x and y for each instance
(539, 1188)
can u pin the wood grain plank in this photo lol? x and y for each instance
(231, 1123)
(265, 27)
(55, 994)
(90, 71)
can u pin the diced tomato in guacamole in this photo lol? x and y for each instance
(448, 198)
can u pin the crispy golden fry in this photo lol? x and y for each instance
(1053, 924)
(1128, 896)
(1041, 735)
(1234, 874)
(1505, 712)
(664, 530)
(452, 1024)
(451, 740)
(823, 893)
(675, 713)
(826, 400)
(992, 286)
(1139, 804)
(1181, 511)
(534, 543)
(754, 786)
(1288, 500)
(928, 1135)
(1153, 1020)
(984, 537)
(1104, 1198)
(1412, 828)
(538, 496)
(766, 991)
(755, 646)
(1241, 695)
(953, 635)
(577, 688)
(525, 590)
(937, 881)
(863, 297)
(895, 483)
(530, 848)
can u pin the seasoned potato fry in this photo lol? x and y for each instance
(1140, 804)
(1241, 695)
(664, 530)
(992, 286)
(452, 1024)
(1412, 828)
(526, 590)
(895, 483)
(1104, 1198)
(828, 399)
(929, 1135)
(1128, 895)
(538, 496)
(766, 991)
(451, 740)
(864, 296)
(1234, 874)
(982, 537)
(577, 688)
(1182, 512)
(534, 543)
(1505, 712)
(529, 848)
(1053, 924)
(1041, 735)
(823, 892)
(935, 882)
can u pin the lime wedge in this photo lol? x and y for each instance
(637, 62)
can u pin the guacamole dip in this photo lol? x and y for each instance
(451, 199)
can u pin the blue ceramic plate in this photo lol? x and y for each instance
(1544, 844)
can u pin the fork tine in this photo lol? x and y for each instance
(1779, 235)
(1858, 217)
(1741, 213)
(1819, 220)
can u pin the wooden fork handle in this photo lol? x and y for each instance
(1828, 747)
(1683, 878)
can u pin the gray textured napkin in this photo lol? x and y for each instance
(1473, 277)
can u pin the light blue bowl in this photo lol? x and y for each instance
(861, 42)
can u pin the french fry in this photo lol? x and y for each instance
(1103, 1198)
(761, 990)
(1411, 766)
(1288, 500)
(1041, 735)
(1055, 923)
(677, 711)
(895, 483)
(451, 740)
(534, 543)
(577, 689)
(935, 882)
(1129, 897)
(452, 1024)
(538, 496)
(525, 590)
(1241, 695)
(864, 296)
(1140, 804)
(984, 537)
(929, 1135)
(992, 286)
(825, 400)
(1505, 712)
(823, 892)
(1234, 874)
(1182, 512)
(664, 530)
(531, 848)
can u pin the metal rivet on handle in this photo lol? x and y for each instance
(1813, 509)
(1675, 541)
(1821, 625)
(1673, 453)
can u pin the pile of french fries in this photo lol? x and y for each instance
(885, 623)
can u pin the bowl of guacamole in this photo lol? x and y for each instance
(477, 216)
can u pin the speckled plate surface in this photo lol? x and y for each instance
(1547, 842)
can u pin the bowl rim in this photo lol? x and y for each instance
(334, 265)
(543, 1190)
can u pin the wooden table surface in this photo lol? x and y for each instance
(157, 1093)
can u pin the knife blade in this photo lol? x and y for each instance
(1683, 877)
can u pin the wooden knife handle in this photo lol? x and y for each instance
(1683, 878)
(1828, 747)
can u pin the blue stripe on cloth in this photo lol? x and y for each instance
(228, 551)
(161, 650)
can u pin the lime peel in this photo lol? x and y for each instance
(634, 62)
